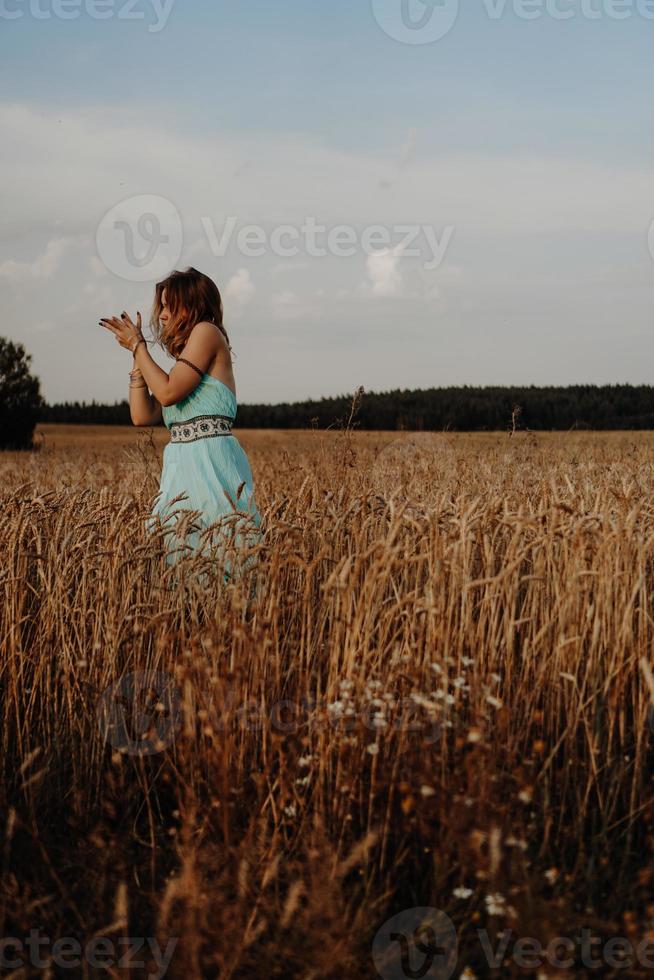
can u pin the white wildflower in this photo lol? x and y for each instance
(462, 892)
(495, 904)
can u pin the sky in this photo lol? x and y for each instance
(388, 193)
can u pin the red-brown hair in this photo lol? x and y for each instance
(191, 298)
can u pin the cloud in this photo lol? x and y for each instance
(284, 305)
(545, 238)
(44, 265)
(384, 273)
(286, 298)
(288, 306)
(240, 288)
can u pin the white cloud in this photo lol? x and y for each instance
(384, 273)
(286, 298)
(545, 241)
(240, 288)
(287, 306)
(284, 305)
(44, 265)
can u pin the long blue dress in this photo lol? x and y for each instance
(205, 462)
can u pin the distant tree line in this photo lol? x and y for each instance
(464, 408)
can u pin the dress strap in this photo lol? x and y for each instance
(184, 361)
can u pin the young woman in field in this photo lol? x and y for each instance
(197, 402)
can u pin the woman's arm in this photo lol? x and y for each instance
(143, 406)
(200, 349)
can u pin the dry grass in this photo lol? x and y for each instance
(437, 686)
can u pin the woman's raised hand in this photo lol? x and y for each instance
(125, 331)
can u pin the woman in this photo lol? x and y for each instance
(197, 401)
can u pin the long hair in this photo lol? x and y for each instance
(191, 297)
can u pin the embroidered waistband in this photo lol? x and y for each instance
(201, 427)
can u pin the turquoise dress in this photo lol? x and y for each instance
(206, 464)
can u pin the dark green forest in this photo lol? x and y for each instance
(437, 409)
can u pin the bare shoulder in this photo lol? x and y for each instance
(206, 330)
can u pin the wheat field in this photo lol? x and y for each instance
(431, 692)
